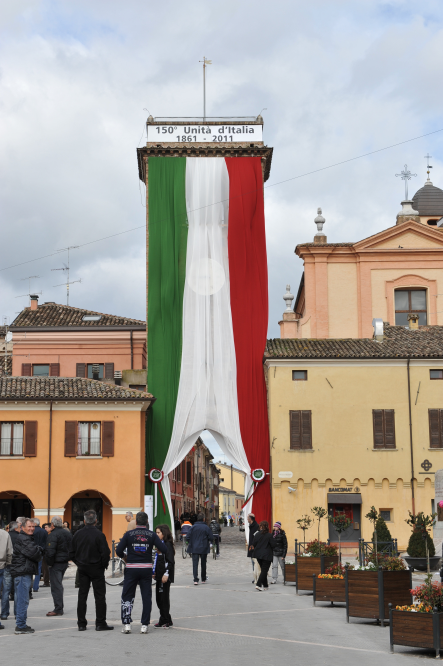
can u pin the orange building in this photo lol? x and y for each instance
(63, 341)
(70, 444)
(386, 276)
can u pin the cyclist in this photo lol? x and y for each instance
(216, 531)
(185, 529)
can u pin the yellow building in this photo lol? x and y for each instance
(340, 428)
(233, 478)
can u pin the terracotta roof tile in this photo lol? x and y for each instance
(399, 342)
(53, 314)
(65, 388)
(324, 245)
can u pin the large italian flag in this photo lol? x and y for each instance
(207, 317)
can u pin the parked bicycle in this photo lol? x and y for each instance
(117, 567)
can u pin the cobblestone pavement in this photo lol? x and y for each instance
(223, 622)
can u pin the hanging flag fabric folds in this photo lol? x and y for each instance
(207, 324)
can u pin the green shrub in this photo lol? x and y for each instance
(417, 547)
(383, 533)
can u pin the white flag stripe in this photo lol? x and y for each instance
(207, 394)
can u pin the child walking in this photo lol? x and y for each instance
(164, 576)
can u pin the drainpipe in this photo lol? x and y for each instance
(410, 440)
(132, 350)
(50, 462)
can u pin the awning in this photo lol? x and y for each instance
(344, 498)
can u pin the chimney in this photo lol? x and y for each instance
(407, 213)
(413, 321)
(34, 301)
(378, 329)
(320, 238)
(288, 325)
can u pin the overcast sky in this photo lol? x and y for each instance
(337, 79)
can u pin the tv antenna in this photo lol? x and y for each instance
(66, 268)
(205, 62)
(29, 278)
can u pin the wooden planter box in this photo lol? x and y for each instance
(418, 630)
(289, 575)
(305, 567)
(369, 593)
(328, 589)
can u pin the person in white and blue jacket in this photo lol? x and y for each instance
(138, 545)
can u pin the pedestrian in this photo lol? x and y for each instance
(163, 571)
(66, 525)
(253, 529)
(263, 546)
(138, 543)
(200, 539)
(177, 525)
(24, 565)
(216, 531)
(58, 546)
(225, 521)
(40, 538)
(280, 550)
(45, 569)
(130, 520)
(5, 562)
(90, 552)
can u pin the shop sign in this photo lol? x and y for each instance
(344, 490)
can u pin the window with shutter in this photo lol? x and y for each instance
(435, 433)
(71, 438)
(188, 473)
(54, 369)
(108, 438)
(300, 429)
(80, 370)
(26, 369)
(384, 428)
(109, 371)
(389, 428)
(30, 448)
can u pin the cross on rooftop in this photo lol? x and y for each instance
(427, 158)
(406, 175)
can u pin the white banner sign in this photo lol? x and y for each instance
(149, 509)
(205, 133)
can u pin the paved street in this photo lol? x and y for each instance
(224, 622)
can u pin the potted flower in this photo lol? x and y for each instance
(421, 549)
(419, 625)
(316, 559)
(330, 586)
(370, 588)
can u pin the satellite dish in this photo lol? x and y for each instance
(8, 336)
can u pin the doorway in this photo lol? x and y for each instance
(351, 511)
(82, 504)
(11, 509)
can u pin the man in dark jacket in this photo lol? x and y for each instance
(40, 537)
(58, 546)
(138, 544)
(253, 529)
(279, 551)
(91, 554)
(200, 539)
(24, 565)
(216, 531)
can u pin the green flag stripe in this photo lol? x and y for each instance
(168, 231)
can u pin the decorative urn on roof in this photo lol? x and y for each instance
(320, 238)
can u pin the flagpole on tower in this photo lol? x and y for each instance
(205, 62)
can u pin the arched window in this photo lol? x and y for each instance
(410, 300)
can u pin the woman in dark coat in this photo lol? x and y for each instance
(263, 546)
(164, 575)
